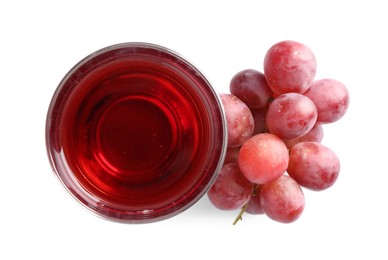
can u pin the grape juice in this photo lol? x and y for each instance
(133, 137)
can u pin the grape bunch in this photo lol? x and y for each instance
(275, 126)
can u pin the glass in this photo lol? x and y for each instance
(136, 133)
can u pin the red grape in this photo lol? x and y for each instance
(314, 135)
(282, 199)
(231, 154)
(313, 165)
(259, 118)
(239, 120)
(263, 158)
(251, 87)
(291, 115)
(289, 66)
(331, 99)
(231, 190)
(254, 206)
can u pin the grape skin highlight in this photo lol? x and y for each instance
(313, 165)
(263, 158)
(331, 98)
(282, 200)
(231, 190)
(291, 115)
(289, 66)
(239, 120)
(251, 87)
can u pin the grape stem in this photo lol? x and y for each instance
(243, 208)
(239, 216)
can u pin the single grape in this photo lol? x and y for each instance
(231, 190)
(289, 66)
(239, 120)
(314, 135)
(331, 98)
(253, 206)
(259, 119)
(282, 199)
(313, 165)
(251, 87)
(263, 158)
(291, 115)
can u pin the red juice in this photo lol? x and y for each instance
(135, 133)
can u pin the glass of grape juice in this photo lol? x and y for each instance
(135, 133)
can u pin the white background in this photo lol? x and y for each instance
(42, 40)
